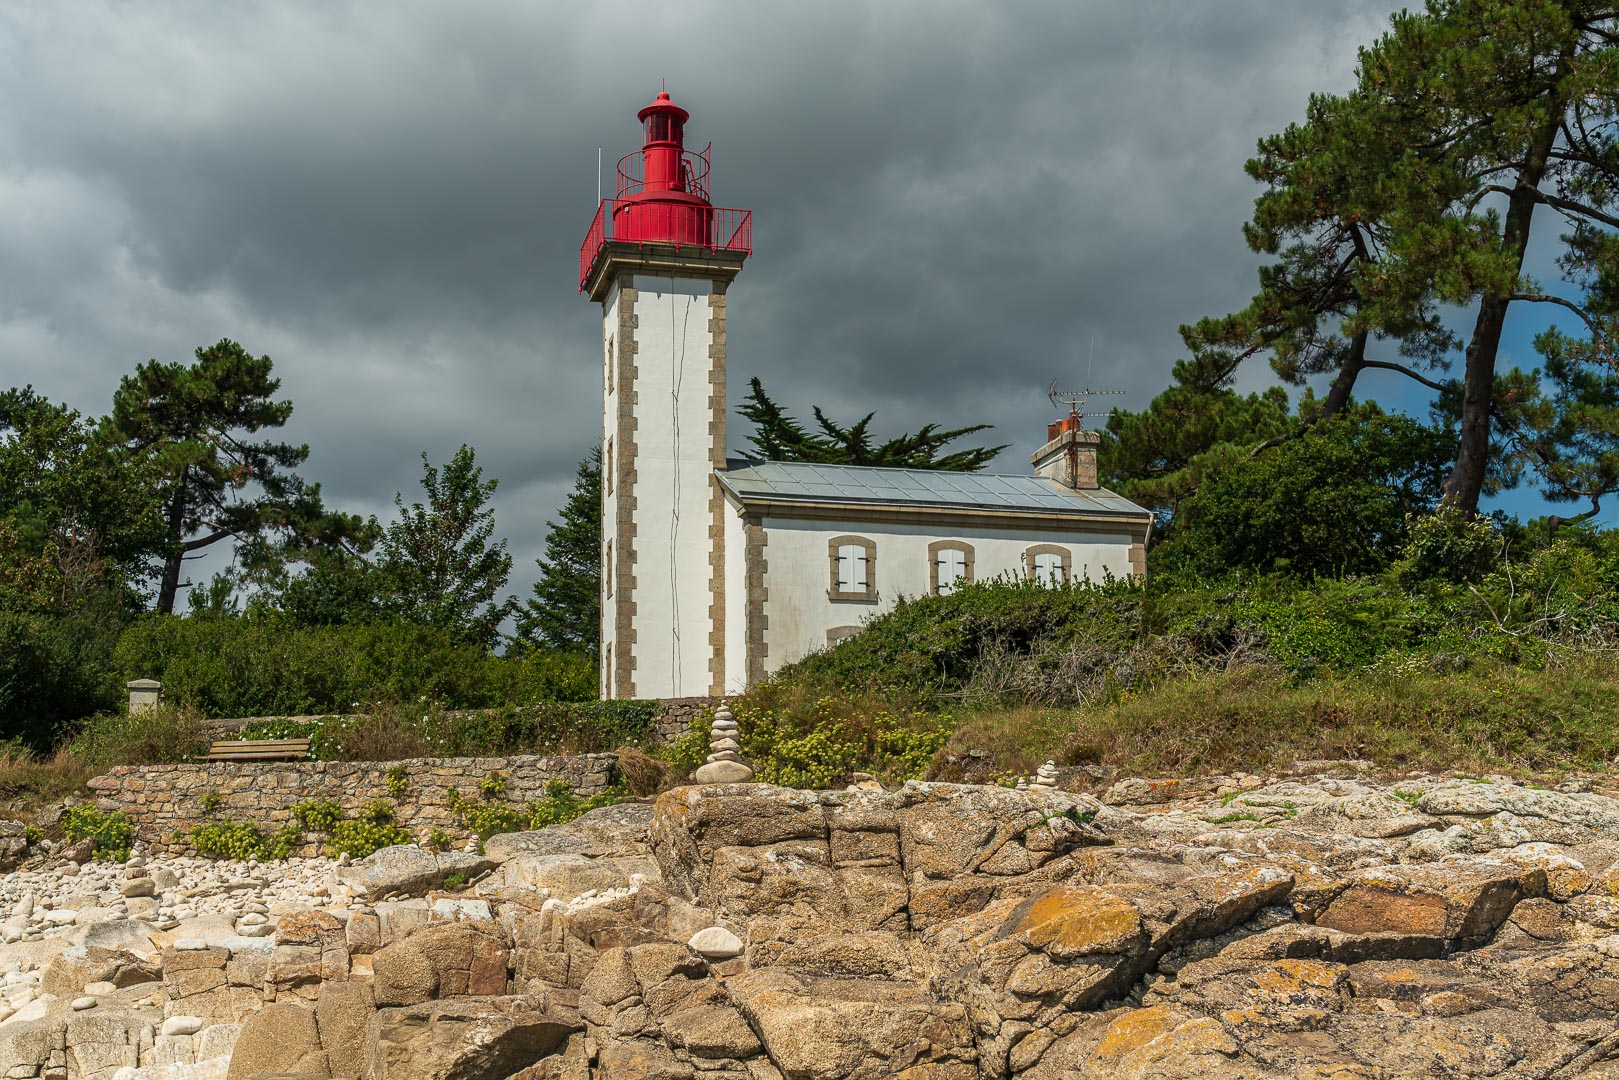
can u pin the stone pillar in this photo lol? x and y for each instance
(144, 695)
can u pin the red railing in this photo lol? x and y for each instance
(677, 224)
(694, 169)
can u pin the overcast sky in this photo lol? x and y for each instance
(950, 201)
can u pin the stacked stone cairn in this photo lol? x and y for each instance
(1045, 778)
(725, 764)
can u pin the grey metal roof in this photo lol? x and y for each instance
(804, 482)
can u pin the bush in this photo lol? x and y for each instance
(1333, 501)
(357, 839)
(558, 807)
(112, 831)
(393, 732)
(318, 815)
(263, 666)
(242, 840)
(161, 736)
(53, 671)
(798, 741)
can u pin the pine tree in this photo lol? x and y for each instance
(1159, 456)
(778, 437)
(440, 566)
(189, 426)
(565, 610)
(1418, 189)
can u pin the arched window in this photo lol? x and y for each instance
(950, 563)
(853, 564)
(1048, 564)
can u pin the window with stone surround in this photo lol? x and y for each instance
(607, 465)
(839, 634)
(610, 339)
(607, 568)
(950, 564)
(853, 564)
(1048, 564)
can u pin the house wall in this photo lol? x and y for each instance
(736, 601)
(798, 611)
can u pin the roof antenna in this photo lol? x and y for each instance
(1076, 400)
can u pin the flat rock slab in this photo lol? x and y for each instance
(1453, 901)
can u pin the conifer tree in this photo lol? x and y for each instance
(1417, 189)
(440, 566)
(778, 437)
(190, 427)
(565, 610)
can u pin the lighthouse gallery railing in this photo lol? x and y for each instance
(728, 229)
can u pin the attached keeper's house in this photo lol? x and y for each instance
(717, 571)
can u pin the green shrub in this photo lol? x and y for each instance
(111, 831)
(378, 812)
(259, 665)
(492, 785)
(1448, 547)
(398, 781)
(817, 742)
(210, 802)
(56, 671)
(318, 815)
(438, 840)
(32, 835)
(167, 734)
(484, 821)
(357, 839)
(455, 880)
(1332, 501)
(242, 840)
(559, 806)
(390, 731)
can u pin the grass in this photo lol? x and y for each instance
(1490, 718)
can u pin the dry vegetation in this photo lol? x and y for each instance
(1497, 718)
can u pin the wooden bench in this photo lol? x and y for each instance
(258, 750)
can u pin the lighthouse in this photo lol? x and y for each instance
(659, 258)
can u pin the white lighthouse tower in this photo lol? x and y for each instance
(658, 259)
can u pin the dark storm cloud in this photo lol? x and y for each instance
(950, 201)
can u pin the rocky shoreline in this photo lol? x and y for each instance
(1324, 924)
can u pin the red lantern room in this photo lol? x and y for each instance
(662, 197)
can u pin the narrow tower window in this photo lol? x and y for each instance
(607, 466)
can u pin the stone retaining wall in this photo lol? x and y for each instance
(165, 801)
(673, 719)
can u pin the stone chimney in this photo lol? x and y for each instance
(1069, 456)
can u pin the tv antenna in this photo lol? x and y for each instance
(1076, 400)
